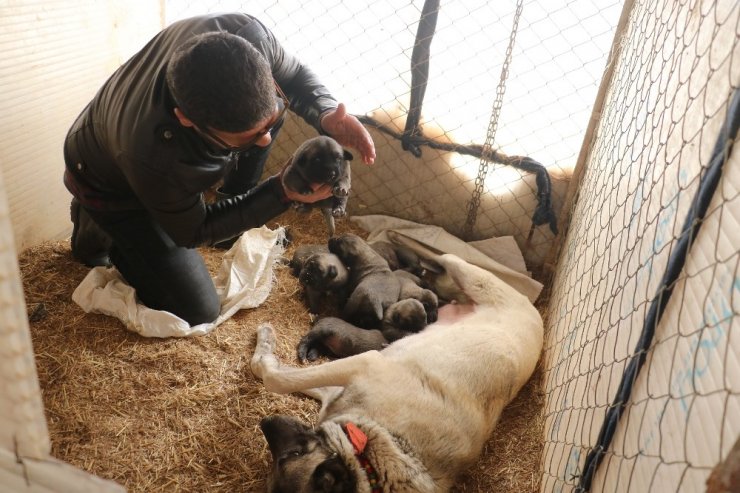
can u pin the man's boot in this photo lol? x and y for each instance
(90, 244)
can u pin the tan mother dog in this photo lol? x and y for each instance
(412, 417)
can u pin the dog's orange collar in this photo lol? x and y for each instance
(358, 439)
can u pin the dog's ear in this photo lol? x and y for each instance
(283, 433)
(348, 155)
(333, 476)
(332, 272)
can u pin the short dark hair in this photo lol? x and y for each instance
(221, 81)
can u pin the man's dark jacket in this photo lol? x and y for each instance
(128, 151)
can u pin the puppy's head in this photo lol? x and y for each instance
(320, 160)
(431, 304)
(303, 253)
(302, 461)
(323, 270)
(408, 314)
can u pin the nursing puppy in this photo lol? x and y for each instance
(415, 415)
(323, 274)
(398, 256)
(372, 285)
(411, 289)
(321, 160)
(334, 337)
(403, 318)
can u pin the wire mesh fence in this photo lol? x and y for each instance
(642, 371)
(364, 54)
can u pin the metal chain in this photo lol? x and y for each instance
(492, 128)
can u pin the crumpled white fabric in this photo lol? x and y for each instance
(244, 280)
(500, 256)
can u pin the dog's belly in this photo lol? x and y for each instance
(454, 312)
(490, 352)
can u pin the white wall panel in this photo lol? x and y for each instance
(673, 80)
(55, 56)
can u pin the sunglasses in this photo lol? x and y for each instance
(283, 104)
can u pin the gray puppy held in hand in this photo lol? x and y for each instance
(321, 160)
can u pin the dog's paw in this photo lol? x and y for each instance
(265, 339)
(338, 212)
(263, 352)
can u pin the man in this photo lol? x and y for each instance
(198, 106)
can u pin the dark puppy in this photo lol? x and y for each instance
(331, 336)
(322, 273)
(398, 256)
(334, 337)
(411, 289)
(403, 318)
(386, 250)
(321, 160)
(408, 259)
(372, 285)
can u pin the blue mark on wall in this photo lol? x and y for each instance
(652, 431)
(572, 468)
(703, 346)
(558, 419)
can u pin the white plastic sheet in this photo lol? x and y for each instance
(243, 281)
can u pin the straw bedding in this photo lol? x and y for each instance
(182, 415)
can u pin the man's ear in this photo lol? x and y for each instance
(347, 155)
(184, 120)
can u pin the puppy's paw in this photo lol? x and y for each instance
(340, 191)
(308, 348)
(339, 212)
(301, 207)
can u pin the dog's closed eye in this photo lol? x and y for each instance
(290, 454)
